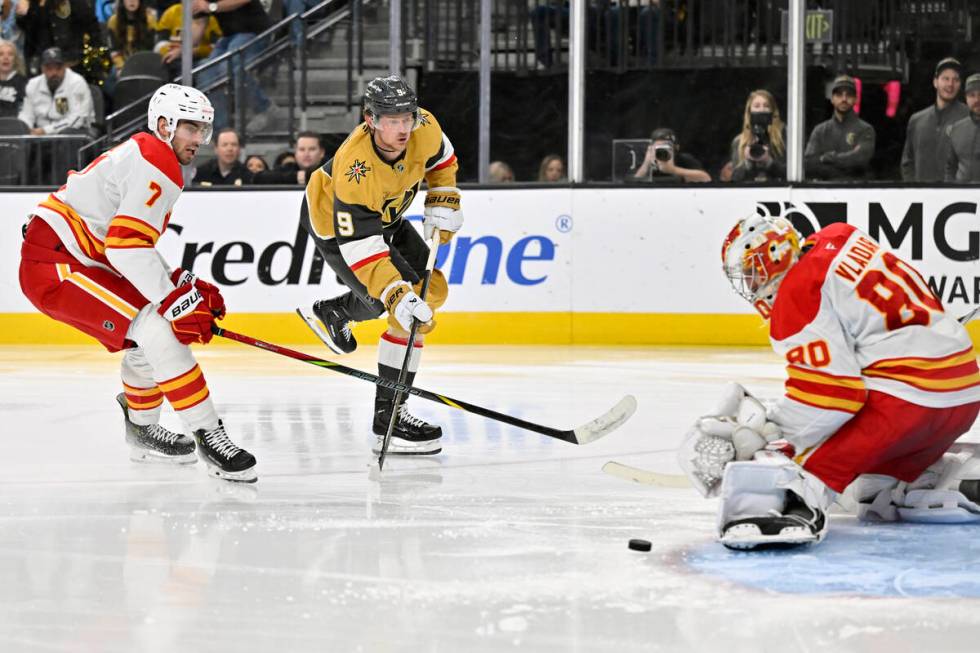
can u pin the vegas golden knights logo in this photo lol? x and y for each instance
(61, 105)
(357, 171)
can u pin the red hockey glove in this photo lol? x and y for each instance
(212, 298)
(210, 293)
(188, 315)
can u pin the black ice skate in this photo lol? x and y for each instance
(155, 444)
(411, 436)
(797, 525)
(223, 458)
(336, 326)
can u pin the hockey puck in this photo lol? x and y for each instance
(640, 545)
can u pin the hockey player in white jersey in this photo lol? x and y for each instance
(880, 383)
(89, 260)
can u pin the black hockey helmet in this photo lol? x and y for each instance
(390, 95)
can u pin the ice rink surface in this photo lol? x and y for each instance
(506, 540)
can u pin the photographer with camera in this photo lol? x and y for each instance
(664, 160)
(759, 151)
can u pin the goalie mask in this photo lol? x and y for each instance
(756, 255)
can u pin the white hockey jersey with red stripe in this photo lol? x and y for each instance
(112, 213)
(851, 317)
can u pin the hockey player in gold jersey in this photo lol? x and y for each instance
(353, 209)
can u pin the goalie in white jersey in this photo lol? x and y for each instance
(89, 260)
(881, 382)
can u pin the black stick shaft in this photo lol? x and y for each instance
(566, 435)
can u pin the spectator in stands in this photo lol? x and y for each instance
(13, 83)
(290, 7)
(168, 36)
(841, 147)
(500, 172)
(58, 101)
(759, 152)
(255, 164)
(225, 169)
(309, 155)
(549, 16)
(926, 145)
(283, 159)
(65, 24)
(963, 160)
(649, 30)
(664, 160)
(552, 169)
(240, 21)
(132, 28)
(8, 23)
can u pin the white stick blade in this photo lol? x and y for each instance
(607, 422)
(643, 476)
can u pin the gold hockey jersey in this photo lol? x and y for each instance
(355, 195)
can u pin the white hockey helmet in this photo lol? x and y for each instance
(175, 103)
(757, 254)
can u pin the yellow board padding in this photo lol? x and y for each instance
(468, 329)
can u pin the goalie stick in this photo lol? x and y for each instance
(644, 476)
(658, 479)
(588, 432)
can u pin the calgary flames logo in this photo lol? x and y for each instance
(357, 171)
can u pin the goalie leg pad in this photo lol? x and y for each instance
(771, 503)
(938, 507)
(946, 493)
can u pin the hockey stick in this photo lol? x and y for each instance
(409, 347)
(963, 319)
(588, 432)
(643, 476)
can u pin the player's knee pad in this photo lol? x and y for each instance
(161, 349)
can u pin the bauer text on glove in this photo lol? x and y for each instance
(442, 212)
(210, 293)
(405, 305)
(188, 315)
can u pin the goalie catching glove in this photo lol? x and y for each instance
(442, 213)
(402, 302)
(736, 431)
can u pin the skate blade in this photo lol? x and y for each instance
(429, 448)
(155, 458)
(316, 326)
(244, 476)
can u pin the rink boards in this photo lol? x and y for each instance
(550, 266)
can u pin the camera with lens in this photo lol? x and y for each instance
(760, 122)
(663, 152)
